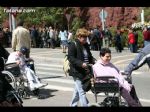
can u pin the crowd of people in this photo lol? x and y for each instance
(50, 37)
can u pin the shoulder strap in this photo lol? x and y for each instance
(75, 46)
(75, 43)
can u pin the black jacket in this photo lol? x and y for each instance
(4, 87)
(3, 52)
(76, 58)
(4, 84)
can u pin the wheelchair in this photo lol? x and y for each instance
(18, 79)
(108, 85)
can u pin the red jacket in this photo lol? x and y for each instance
(131, 38)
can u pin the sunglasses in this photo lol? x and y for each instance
(85, 36)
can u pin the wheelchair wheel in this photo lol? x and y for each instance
(23, 93)
(123, 105)
(94, 105)
(10, 78)
(110, 102)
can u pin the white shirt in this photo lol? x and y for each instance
(69, 35)
(14, 57)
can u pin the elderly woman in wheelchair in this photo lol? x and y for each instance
(106, 73)
(19, 58)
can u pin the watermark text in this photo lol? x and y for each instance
(18, 10)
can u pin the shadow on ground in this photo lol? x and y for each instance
(45, 93)
(49, 77)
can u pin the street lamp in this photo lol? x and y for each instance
(102, 16)
(142, 16)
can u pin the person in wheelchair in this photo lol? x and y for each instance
(103, 67)
(19, 58)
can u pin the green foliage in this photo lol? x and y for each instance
(47, 15)
(140, 38)
(76, 24)
(35, 21)
(3, 15)
(112, 30)
(147, 14)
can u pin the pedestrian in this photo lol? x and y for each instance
(64, 40)
(108, 37)
(118, 42)
(21, 37)
(136, 39)
(146, 36)
(79, 56)
(131, 40)
(103, 67)
(92, 40)
(142, 58)
(43, 38)
(97, 35)
(52, 37)
(34, 36)
(70, 36)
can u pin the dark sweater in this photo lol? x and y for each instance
(76, 58)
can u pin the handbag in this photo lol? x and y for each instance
(86, 83)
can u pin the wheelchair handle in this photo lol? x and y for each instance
(127, 77)
(14, 63)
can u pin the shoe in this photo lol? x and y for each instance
(40, 85)
(123, 73)
(32, 88)
(44, 84)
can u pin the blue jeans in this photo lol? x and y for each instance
(146, 42)
(79, 94)
(136, 63)
(132, 48)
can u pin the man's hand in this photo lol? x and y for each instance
(18, 62)
(123, 73)
(84, 65)
(29, 59)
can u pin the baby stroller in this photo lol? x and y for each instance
(18, 80)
